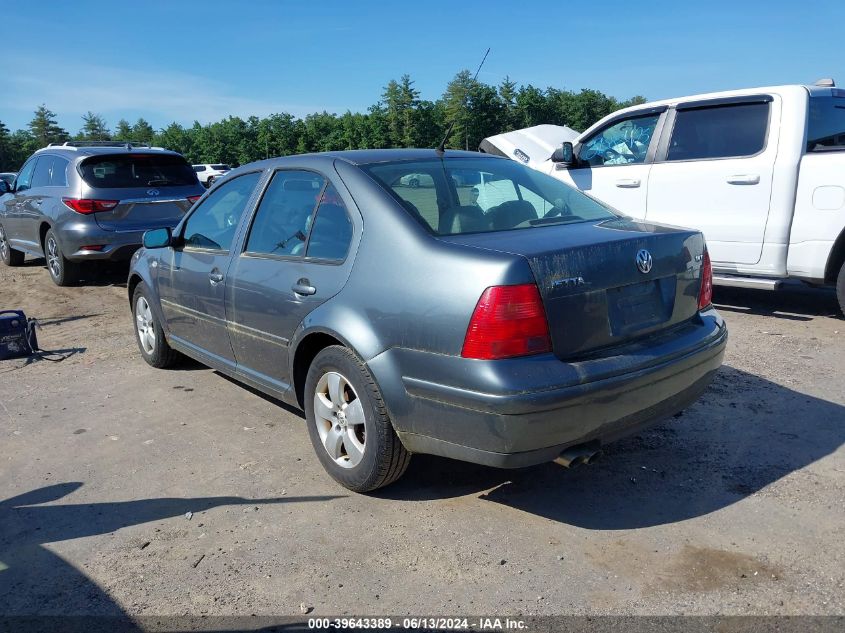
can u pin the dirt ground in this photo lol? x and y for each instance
(124, 489)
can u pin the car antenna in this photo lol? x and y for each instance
(441, 149)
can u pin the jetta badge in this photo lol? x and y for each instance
(152, 192)
(644, 261)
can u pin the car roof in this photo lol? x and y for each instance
(361, 157)
(69, 151)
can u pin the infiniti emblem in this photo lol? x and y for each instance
(152, 192)
(644, 261)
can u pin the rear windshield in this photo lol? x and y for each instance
(221, 167)
(452, 196)
(826, 125)
(137, 170)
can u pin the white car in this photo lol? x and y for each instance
(760, 171)
(208, 173)
(416, 180)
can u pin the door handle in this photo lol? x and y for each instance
(215, 277)
(744, 179)
(303, 287)
(628, 183)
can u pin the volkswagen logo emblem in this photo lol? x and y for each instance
(152, 192)
(644, 261)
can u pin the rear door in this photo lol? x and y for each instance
(192, 276)
(615, 161)
(714, 173)
(297, 255)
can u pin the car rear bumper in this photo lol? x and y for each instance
(111, 245)
(525, 411)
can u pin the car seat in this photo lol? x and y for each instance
(511, 213)
(463, 219)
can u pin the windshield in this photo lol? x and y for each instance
(451, 196)
(137, 170)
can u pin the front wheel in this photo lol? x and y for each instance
(9, 255)
(63, 272)
(840, 288)
(148, 333)
(348, 423)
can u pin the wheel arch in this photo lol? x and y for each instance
(307, 347)
(835, 260)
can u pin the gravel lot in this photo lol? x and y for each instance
(735, 507)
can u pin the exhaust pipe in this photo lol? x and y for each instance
(580, 454)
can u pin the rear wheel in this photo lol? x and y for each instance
(62, 271)
(348, 423)
(148, 333)
(10, 256)
(209, 182)
(840, 288)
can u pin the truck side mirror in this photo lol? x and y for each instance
(564, 155)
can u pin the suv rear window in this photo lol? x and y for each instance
(826, 126)
(507, 195)
(137, 170)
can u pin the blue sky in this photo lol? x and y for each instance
(204, 60)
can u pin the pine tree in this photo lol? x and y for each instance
(44, 129)
(94, 128)
(123, 131)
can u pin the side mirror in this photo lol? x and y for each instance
(158, 238)
(565, 154)
(5, 187)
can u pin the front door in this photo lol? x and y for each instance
(193, 274)
(716, 176)
(296, 257)
(614, 163)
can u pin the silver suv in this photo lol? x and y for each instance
(81, 201)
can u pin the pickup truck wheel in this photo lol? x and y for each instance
(62, 271)
(148, 333)
(10, 256)
(348, 423)
(840, 288)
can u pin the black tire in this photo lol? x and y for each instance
(209, 182)
(840, 288)
(158, 354)
(10, 256)
(384, 458)
(413, 183)
(62, 271)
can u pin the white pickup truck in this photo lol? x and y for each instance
(761, 172)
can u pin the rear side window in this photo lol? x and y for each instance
(58, 172)
(283, 218)
(137, 170)
(213, 223)
(728, 131)
(41, 176)
(221, 167)
(199, 168)
(331, 231)
(826, 125)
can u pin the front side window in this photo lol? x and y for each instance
(283, 218)
(24, 179)
(623, 143)
(213, 223)
(826, 124)
(137, 170)
(477, 195)
(727, 131)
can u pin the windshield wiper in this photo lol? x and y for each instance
(160, 181)
(558, 219)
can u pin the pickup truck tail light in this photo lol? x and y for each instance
(705, 295)
(86, 206)
(508, 321)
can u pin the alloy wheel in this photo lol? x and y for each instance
(339, 416)
(53, 256)
(4, 245)
(144, 325)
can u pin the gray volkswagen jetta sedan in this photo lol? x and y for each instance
(91, 201)
(536, 325)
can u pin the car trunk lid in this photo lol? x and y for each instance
(138, 210)
(594, 293)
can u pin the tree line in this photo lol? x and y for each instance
(399, 119)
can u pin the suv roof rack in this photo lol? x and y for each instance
(81, 144)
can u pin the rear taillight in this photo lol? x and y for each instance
(705, 295)
(86, 206)
(193, 199)
(508, 321)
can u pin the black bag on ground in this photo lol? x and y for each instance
(17, 335)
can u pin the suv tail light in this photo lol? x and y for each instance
(193, 199)
(705, 295)
(508, 321)
(86, 206)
